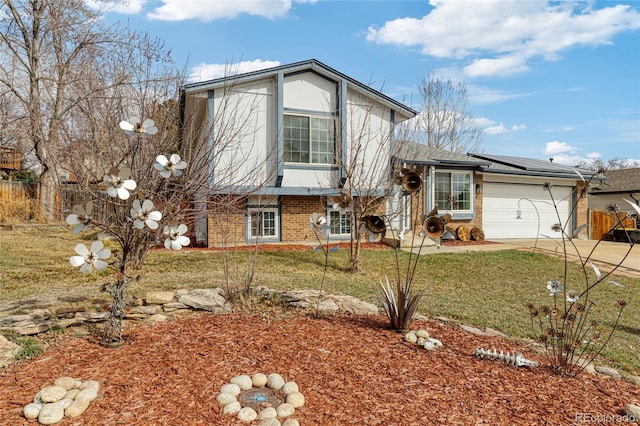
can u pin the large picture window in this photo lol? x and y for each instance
(263, 224)
(309, 139)
(453, 191)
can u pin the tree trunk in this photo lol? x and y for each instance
(47, 193)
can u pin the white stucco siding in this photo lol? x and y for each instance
(244, 134)
(368, 141)
(310, 92)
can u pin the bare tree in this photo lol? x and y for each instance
(616, 163)
(367, 167)
(60, 55)
(445, 121)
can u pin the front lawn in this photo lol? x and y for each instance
(485, 289)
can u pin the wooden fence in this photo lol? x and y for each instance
(603, 221)
(18, 201)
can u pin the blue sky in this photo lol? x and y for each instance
(544, 78)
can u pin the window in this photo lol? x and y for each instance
(263, 224)
(309, 139)
(340, 224)
(453, 191)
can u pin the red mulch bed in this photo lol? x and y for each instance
(353, 370)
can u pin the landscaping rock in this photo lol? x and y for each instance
(296, 399)
(290, 387)
(8, 352)
(285, 410)
(275, 381)
(206, 299)
(247, 414)
(267, 413)
(259, 380)
(411, 337)
(53, 394)
(633, 410)
(271, 421)
(243, 381)
(159, 297)
(232, 408)
(231, 388)
(51, 414)
(291, 422)
(66, 382)
(608, 371)
(225, 398)
(32, 411)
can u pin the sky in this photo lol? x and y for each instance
(545, 79)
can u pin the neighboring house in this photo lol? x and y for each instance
(614, 189)
(616, 186)
(280, 135)
(504, 196)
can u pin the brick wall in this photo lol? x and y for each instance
(582, 207)
(294, 216)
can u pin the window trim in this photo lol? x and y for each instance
(457, 214)
(250, 211)
(341, 235)
(309, 116)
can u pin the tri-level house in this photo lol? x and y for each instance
(289, 138)
(284, 142)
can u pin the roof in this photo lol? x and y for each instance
(418, 153)
(619, 181)
(487, 163)
(531, 167)
(309, 65)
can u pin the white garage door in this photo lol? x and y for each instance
(501, 201)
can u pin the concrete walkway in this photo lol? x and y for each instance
(606, 255)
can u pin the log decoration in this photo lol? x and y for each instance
(477, 234)
(463, 233)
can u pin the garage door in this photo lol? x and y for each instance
(501, 201)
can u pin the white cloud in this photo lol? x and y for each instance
(490, 127)
(181, 10)
(129, 7)
(502, 37)
(563, 153)
(555, 147)
(481, 95)
(203, 72)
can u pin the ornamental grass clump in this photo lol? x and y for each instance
(570, 335)
(137, 217)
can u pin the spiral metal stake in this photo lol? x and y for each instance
(516, 359)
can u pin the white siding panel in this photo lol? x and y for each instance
(501, 201)
(309, 92)
(245, 142)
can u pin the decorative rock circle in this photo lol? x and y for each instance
(68, 397)
(261, 397)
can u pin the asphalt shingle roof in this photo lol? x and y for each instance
(624, 181)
